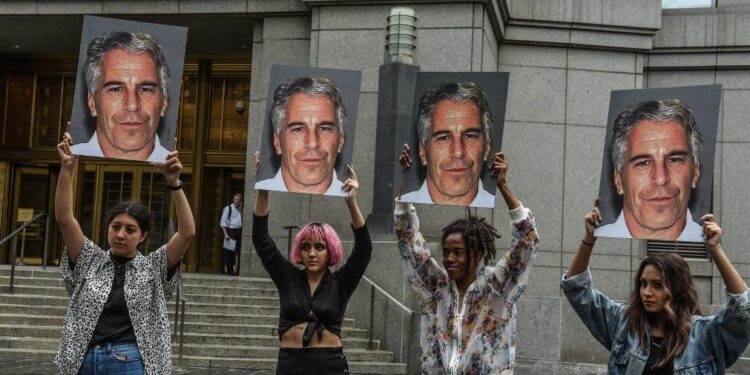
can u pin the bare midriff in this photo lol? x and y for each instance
(292, 338)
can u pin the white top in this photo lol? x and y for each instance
(693, 232)
(231, 220)
(92, 148)
(483, 198)
(277, 184)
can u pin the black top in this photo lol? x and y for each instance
(326, 307)
(114, 324)
(653, 357)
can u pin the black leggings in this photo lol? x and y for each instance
(312, 361)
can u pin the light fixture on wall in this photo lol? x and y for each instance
(401, 40)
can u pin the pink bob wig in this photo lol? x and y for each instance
(318, 231)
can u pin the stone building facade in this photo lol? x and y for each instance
(564, 58)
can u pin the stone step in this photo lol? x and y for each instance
(355, 367)
(37, 290)
(264, 306)
(271, 352)
(190, 278)
(32, 300)
(37, 309)
(40, 343)
(231, 291)
(213, 308)
(224, 280)
(266, 338)
(255, 329)
(31, 320)
(31, 271)
(270, 364)
(215, 350)
(56, 287)
(218, 299)
(237, 318)
(32, 281)
(256, 340)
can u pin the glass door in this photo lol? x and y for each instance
(31, 192)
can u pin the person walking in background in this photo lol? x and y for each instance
(231, 226)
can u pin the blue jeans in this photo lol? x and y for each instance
(113, 359)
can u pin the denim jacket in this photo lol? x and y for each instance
(715, 342)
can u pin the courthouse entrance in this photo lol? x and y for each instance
(30, 195)
(35, 104)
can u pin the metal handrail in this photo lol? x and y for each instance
(13, 237)
(408, 311)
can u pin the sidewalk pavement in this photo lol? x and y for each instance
(26, 366)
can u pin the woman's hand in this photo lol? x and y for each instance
(499, 169)
(351, 186)
(405, 159)
(261, 196)
(171, 168)
(735, 284)
(67, 159)
(257, 161)
(591, 221)
(711, 232)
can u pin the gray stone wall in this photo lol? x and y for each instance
(564, 58)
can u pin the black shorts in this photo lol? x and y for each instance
(312, 361)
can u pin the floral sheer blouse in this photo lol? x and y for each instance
(479, 336)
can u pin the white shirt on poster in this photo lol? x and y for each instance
(277, 184)
(92, 148)
(693, 232)
(483, 199)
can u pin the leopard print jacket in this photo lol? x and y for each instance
(147, 289)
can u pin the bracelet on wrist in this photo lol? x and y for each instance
(174, 188)
(588, 244)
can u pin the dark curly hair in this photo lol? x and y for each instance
(479, 236)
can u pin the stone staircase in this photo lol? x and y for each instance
(230, 322)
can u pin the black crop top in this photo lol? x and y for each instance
(326, 307)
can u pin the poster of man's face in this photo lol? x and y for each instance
(127, 89)
(657, 169)
(458, 125)
(308, 134)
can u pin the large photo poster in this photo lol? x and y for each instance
(308, 132)
(457, 127)
(657, 167)
(127, 91)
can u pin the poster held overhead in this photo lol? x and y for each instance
(127, 89)
(308, 132)
(458, 125)
(657, 168)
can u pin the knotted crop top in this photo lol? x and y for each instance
(326, 307)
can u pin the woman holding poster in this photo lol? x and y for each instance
(313, 299)
(661, 330)
(117, 321)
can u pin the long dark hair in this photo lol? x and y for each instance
(135, 210)
(681, 305)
